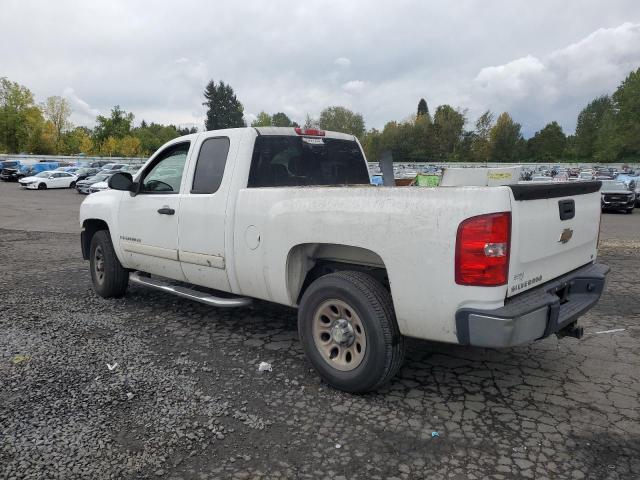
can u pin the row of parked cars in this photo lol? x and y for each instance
(45, 175)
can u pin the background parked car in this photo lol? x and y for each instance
(113, 167)
(616, 196)
(49, 179)
(84, 185)
(86, 172)
(10, 170)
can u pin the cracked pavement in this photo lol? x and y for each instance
(186, 400)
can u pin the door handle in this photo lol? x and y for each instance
(166, 211)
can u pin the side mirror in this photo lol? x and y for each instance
(121, 181)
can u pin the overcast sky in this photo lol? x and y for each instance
(540, 60)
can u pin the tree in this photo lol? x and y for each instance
(588, 124)
(448, 124)
(282, 120)
(129, 146)
(506, 139)
(626, 100)
(341, 119)
(76, 141)
(224, 110)
(480, 148)
(57, 110)
(547, 144)
(423, 109)
(20, 119)
(109, 147)
(117, 125)
(262, 120)
(153, 135)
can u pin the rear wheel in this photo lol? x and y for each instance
(348, 330)
(42, 186)
(109, 277)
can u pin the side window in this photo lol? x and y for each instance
(166, 171)
(210, 166)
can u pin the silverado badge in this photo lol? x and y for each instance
(566, 235)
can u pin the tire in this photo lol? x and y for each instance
(42, 186)
(362, 354)
(630, 210)
(110, 279)
(72, 185)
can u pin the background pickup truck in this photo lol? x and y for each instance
(289, 216)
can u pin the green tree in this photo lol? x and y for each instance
(608, 144)
(506, 140)
(547, 144)
(423, 109)
(448, 125)
(480, 148)
(57, 110)
(262, 120)
(626, 100)
(281, 119)
(117, 125)
(588, 124)
(153, 135)
(224, 110)
(20, 119)
(341, 119)
(76, 141)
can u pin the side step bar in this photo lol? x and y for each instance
(140, 279)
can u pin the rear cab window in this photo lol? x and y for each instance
(210, 165)
(287, 160)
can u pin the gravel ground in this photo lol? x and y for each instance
(184, 398)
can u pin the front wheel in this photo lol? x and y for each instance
(42, 186)
(630, 210)
(109, 277)
(72, 185)
(348, 329)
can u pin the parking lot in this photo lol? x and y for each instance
(153, 386)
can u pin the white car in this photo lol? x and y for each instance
(49, 179)
(98, 187)
(289, 216)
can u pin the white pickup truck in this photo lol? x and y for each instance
(289, 216)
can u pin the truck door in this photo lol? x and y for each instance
(203, 212)
(148, 221)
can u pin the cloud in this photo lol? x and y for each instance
(82, 111)
(342, 62)
(154, 60)
(557, 85)
(353, 86)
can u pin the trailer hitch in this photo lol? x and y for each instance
(571, 330)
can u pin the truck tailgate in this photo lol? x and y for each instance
(554, 230)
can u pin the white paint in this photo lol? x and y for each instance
(241, 240)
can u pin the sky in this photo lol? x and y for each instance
(540, 61)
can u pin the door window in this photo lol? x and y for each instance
(210, 167)
(165, 174)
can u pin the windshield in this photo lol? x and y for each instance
(43, 174)
(304, 161)
(100, 177)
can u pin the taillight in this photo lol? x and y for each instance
(482, 250)
(310, 132)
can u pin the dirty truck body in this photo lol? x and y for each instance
(289, 216)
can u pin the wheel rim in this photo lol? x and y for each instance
(339, 335)
(98, 264)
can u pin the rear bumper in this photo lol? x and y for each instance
(534, 314)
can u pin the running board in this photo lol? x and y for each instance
(140, 279)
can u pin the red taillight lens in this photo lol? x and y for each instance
(482, 250)
(310, 132)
